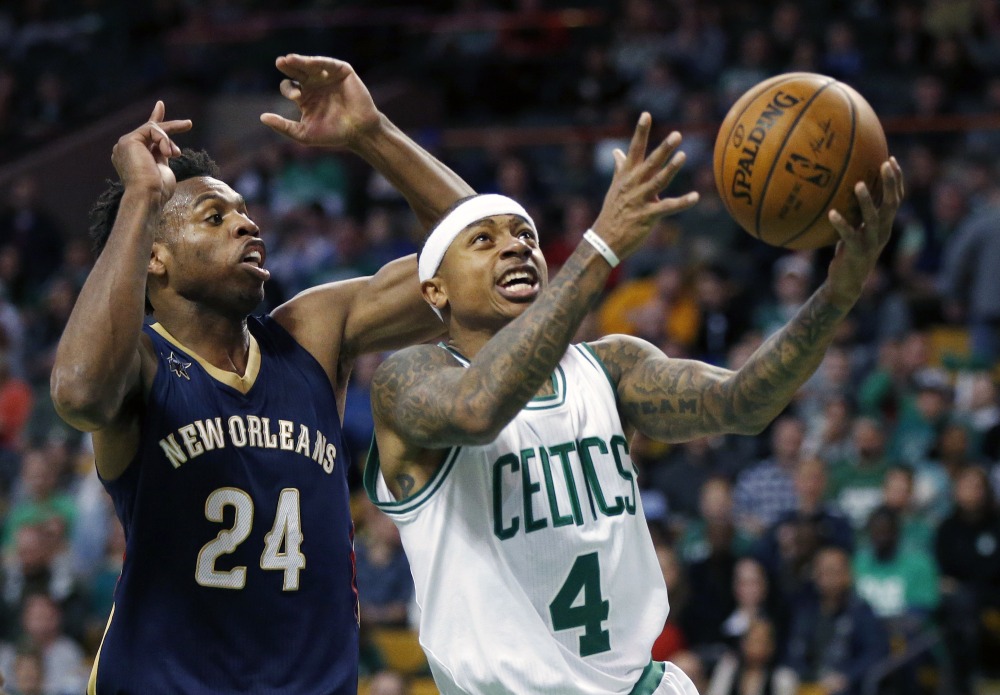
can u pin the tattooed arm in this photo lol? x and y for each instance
(423, 402)
(677, 400)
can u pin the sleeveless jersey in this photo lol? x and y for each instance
(239, 565)
(533, 566)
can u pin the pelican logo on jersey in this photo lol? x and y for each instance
(178, 366)
(193, 440)
(519, 503)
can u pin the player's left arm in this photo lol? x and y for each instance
(341, 320)
(677, 399)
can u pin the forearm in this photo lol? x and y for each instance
(502, 377)
(100, 342)
(428, 185)
(766, 383)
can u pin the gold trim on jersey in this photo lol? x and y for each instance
(92, 681)
(241, 383)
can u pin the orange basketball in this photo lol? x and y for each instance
(791, 149)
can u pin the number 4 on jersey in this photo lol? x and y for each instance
(590, 613)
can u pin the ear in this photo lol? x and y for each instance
(435, 293)
(157, 259)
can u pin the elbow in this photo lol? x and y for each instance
(475, 428)
(77, 404)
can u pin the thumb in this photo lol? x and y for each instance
(279, 124)
(619, 157)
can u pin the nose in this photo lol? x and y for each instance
(516, 247)
(246, 227)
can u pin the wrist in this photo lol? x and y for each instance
(601, 246)
(839, 298)
(370, 135)
(141, 195)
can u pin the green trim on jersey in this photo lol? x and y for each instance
(651, 677)
(371, 477)
(558, 380)
(592, 357)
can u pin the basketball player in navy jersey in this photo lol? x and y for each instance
(218, 434)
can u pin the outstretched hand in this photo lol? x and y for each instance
(859, 247)
(633, 204)
(140, 157)
(335, 107)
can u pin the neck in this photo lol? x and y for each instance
(469, 340)
(221, 341)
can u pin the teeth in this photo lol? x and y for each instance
(253, 257)
(516, 276)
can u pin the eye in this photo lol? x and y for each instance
(526, 234)
(215, 218)
(482, 236)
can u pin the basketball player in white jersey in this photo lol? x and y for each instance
(502, 455)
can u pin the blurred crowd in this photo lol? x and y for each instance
(854, 547)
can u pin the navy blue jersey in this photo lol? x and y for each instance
(239, 564)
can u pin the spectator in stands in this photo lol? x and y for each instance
(792, 284)
(787, 548)
(753, 601)
(767, 490)
(967, 549)
(660, 308)
(682, 474)
(723, 314)
(33, 232)
(856, 482)
(969, 274)
(64, 670)
(39, 563)
(713, 529)
(16, 399)
(901, 584)
(384, 581)
(885, 388)
(42, 499)
(28, 673)
(12, 330)
(673, 639)
(388, 683)
(829, 437)
(754, 668)
(923, 418)
(835, 638)
(898, 495)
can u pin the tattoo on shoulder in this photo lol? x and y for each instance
(406, 484)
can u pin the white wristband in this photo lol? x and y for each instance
(602, 247)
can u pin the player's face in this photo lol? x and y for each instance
(214, 253)
(493, 271)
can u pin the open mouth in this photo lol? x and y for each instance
(519, 284)
(253, 260)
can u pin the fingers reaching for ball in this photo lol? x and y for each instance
(876, 219)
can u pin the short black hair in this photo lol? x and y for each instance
(188, 165)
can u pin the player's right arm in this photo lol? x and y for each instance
(99, 357)
(423, 403)
(675, 400)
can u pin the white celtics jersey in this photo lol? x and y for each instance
(532, 562)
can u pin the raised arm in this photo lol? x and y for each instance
(338, 321)
(336, 110)
(97, 363)
(677, 400)
(428, 403)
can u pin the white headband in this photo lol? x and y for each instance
(472, 210)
